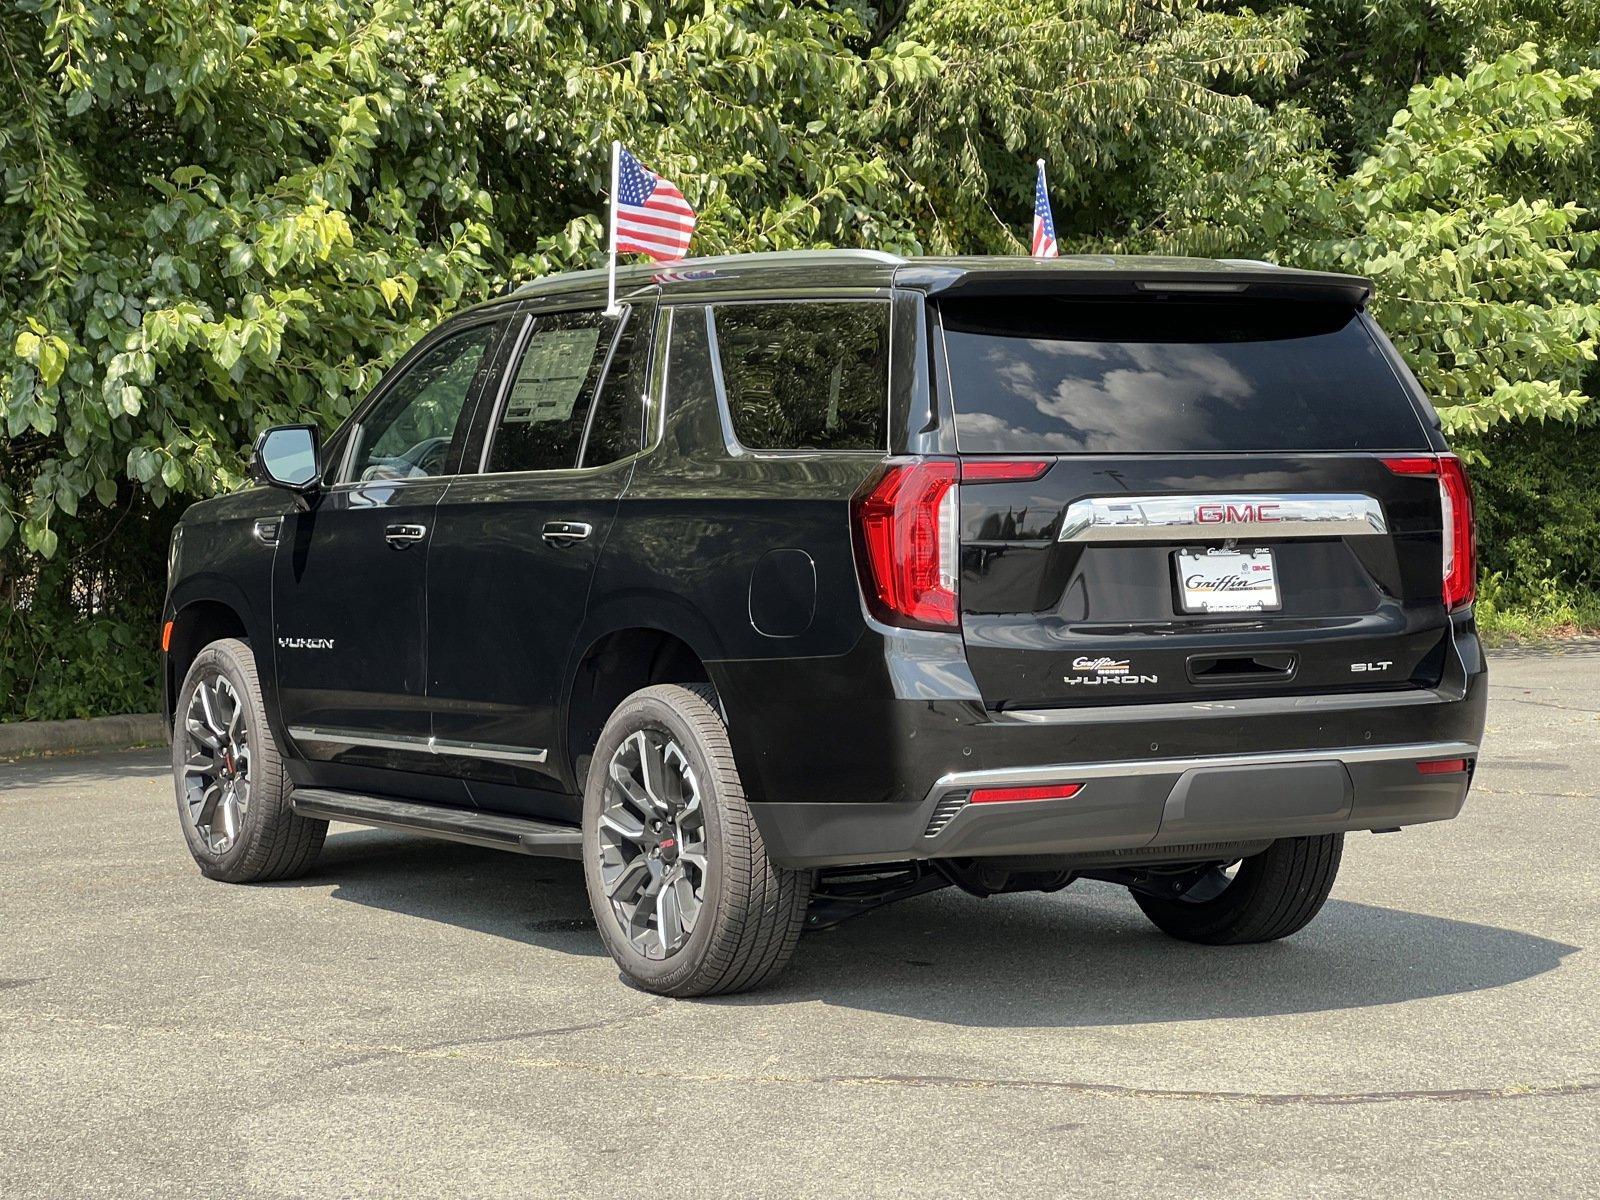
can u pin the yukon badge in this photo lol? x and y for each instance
(288, 643)
(1093, 672)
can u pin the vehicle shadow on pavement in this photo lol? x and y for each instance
(1088, 957)
(540, 901)
(86, 770)
(1085, 957)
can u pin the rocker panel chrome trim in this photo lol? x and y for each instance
(416, 745)
(1176, 518)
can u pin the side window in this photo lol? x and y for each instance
(810, 375)
(408, 434)
(691, 382)
(547, 403)
(616, 430)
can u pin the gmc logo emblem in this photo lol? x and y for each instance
(1214, 514)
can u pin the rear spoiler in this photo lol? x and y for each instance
(1042, 277)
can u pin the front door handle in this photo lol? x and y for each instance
(401, 536)
(564, 533)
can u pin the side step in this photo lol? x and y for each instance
(520, 834)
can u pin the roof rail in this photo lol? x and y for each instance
(793, 256)
(774, 257)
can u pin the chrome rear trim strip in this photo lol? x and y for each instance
(1211, 518)
(1061, 772)
(1192, 710)
(416, 745)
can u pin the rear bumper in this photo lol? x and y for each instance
(1126, 806)
(846, 759)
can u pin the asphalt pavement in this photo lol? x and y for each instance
(423, 1019)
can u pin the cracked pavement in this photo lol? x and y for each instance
(420, 1018)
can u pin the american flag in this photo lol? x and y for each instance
(1044, 225)
(652, 215)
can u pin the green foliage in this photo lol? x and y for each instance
(1538, 497)
(1486, 278)
(217, 215)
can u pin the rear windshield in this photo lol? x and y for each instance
(1156, 376)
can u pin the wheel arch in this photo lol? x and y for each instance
(634, 649)
(202, 613)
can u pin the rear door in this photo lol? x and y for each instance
(1207, 507)
(516, 544)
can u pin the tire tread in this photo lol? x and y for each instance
(1277, 893)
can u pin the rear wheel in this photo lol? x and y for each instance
(1268, 896)
(683, 892)
(233, 793)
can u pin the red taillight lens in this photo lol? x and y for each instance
(1003, 470)
(1460, 542)
(1442, 766)
(905, 527)
(1420, 464)
(1460, 566)
(1010, 795)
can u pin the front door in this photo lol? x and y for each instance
(349, 576)
(516, 546)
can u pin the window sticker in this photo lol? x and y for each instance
(551, 376)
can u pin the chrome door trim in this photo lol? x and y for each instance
(1210, 518)
(351, 737)
(489, 750)
(1057, 772)
(317, 735)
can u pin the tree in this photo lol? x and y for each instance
(219, 215)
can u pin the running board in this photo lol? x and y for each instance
(520, 834)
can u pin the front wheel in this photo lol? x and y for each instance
(1269, 896)
(687, 901)
(233, 791)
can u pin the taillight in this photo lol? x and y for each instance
(1003, 470)
(1460, 566)
(1441, 766)
(905, 526)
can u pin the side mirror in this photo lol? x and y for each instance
(289, 457)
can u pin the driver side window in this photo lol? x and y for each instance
(408, 434)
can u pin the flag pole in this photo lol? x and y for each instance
(611, 279)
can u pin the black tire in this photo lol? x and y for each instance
(1275, 893)
(272, 842)
(751, 911)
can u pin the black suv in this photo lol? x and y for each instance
(801, 583)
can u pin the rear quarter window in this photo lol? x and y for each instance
(807, 375)
(1156, 376)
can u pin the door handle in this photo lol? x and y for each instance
(563, 533)
(401, 536)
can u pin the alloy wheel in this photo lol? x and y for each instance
(216, 764)
(652, 843)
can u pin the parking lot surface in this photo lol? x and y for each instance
(421, 1018)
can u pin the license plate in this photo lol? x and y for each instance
(1223, 581)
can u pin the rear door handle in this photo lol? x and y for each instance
(401, 536)
(562, 533)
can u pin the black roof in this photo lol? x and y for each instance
(798, 272)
